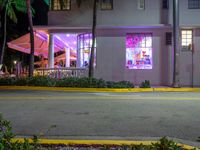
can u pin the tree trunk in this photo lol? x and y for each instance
(176, 42)
(4, 36)
(31, 59)
(91, 63)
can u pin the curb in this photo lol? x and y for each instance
(126, 90)
(97, 142)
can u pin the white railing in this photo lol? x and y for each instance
(61, 72)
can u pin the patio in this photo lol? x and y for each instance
(60, 54)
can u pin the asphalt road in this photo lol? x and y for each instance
(75, 114)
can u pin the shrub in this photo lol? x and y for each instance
(66, 82)
(6, 136)
(41, 81)
(166, 144)
(7, 81)
(120, 84)
(145, 84)
(126, 84)
(81, 82)
(21, 81)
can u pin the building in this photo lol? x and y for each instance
(134, 38)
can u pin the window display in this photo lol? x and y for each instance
(139, 51)
(84, 46)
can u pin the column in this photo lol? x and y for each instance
(67, 56)
(51, 51)
(78, 51)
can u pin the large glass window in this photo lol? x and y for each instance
(139, 51)
(60, 4)
(186, 39)
(194, 4)
(106, 4)
(84, 47)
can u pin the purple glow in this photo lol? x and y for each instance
(84, 46)
(139, 51)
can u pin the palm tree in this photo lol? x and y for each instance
(31, 59)
(22, 6)
(91, 63)
(8, 6)
(176, 28)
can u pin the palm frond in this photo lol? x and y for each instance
(47, 1)
(33, 11)
(11, 13)
(20, 5)
(2, 4)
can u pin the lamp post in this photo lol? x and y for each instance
(176, 44)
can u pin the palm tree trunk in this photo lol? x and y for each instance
(4, 36)
(31, 59)
(91, 63)
(176, 44)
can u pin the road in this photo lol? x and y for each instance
(75, 114)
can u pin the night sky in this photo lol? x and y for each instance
(40, 17)
(16, 30)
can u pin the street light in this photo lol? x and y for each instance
(15, 62)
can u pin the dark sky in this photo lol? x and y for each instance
(40, 17)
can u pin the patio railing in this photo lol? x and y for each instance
(61, 72)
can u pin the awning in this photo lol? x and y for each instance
(22, 44)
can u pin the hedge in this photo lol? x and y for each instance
(65, 82)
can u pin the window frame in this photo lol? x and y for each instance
(52, 6)
(186, 47)
(111, 3)
(146, 35)
(165, 6)
(192, 6)
(139, 4)
(81, 40)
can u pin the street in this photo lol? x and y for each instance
(75, 114)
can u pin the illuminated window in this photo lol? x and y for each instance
(61, 4)
(186, 39)
(84, 46)
(106, 4)
(139, 51)
(194, 4)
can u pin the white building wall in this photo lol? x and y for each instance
(186, 63)
(188, 17)
(111, 43)
(111, 59)
(124, 13)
